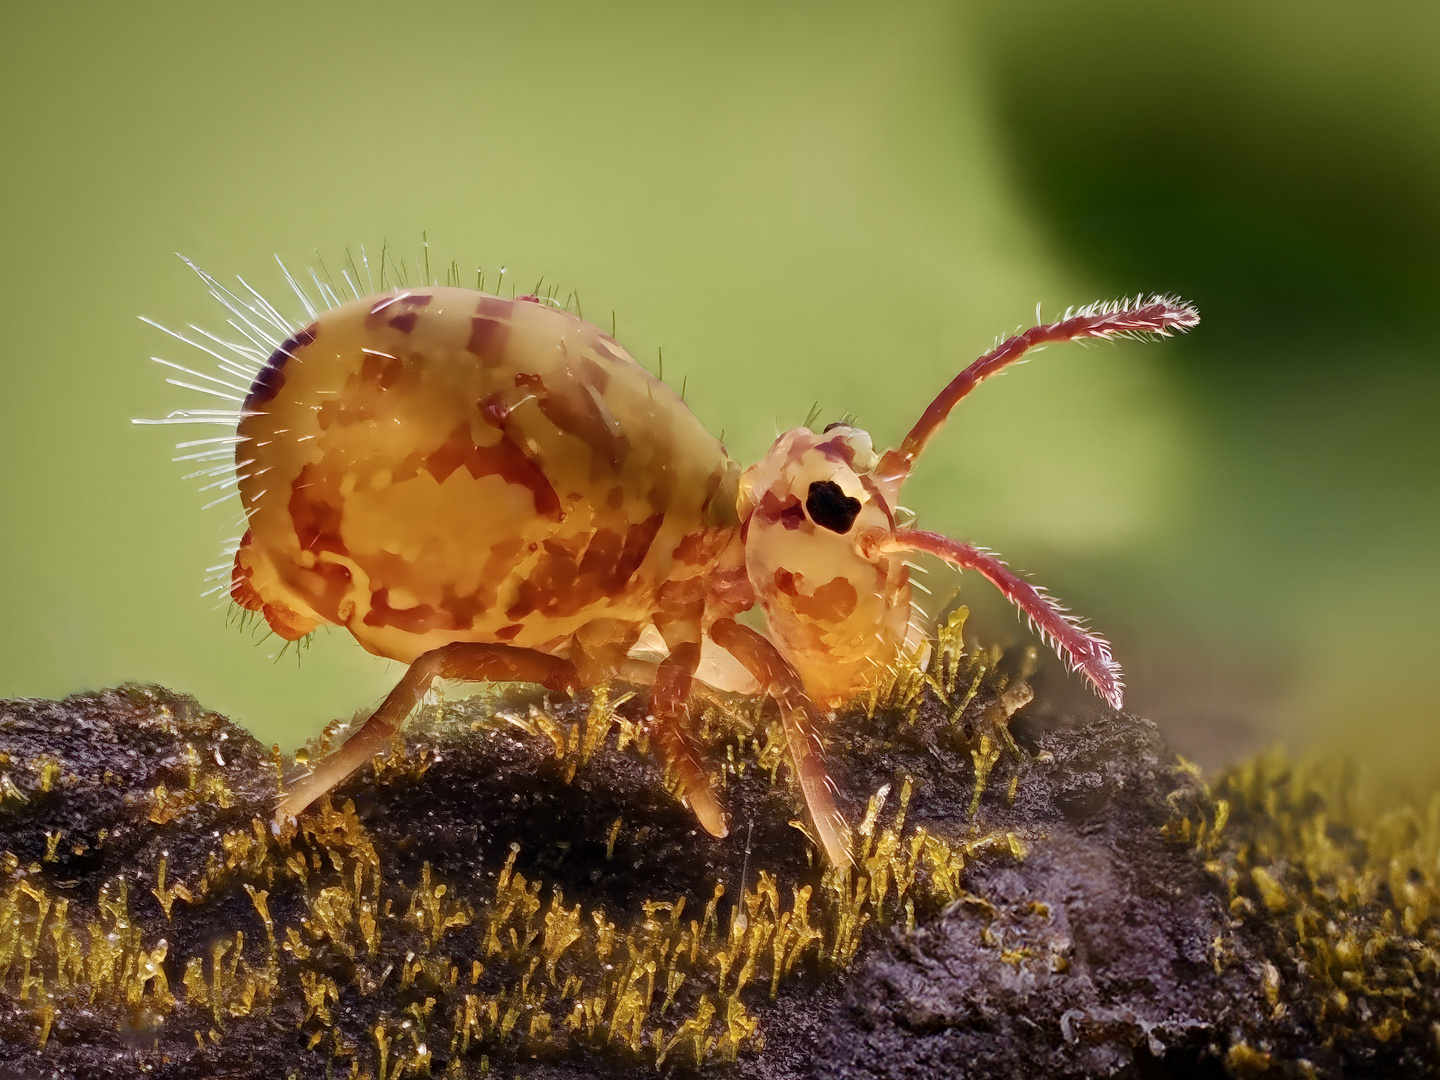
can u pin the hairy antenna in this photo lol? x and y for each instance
(1159, 316)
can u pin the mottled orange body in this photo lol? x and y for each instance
(493, 489)
(444, 466)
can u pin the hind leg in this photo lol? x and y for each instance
(472, 661)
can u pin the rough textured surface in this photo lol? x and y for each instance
(1106, 934)
(1068, 927)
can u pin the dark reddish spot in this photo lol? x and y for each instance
(550, 588)
(638, 539)
(507, 633)
(396, 305)
(528, 298)
(574, 574)
(788, 512)
(693, 548)
(505, 460)
(413, 620)
(406, 322)
(499, 565)
(836, 449)
(582, 415)
(731, 587)
(381, 371)
(449, 457)
(488, 338)
(785, 582)
(379, 310)
(461, 609)
(562, 560)
(361, 398)
(579, 410)
(317, 522)
(603, 554)
(494, 410)
(409, 467)
(833, 602)
(271, 378)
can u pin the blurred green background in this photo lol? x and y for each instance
(798, 203)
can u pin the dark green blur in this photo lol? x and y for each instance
(813, 203)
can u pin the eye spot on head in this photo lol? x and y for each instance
(830, 508)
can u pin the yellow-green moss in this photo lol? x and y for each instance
(1350, 890)
(670, 984)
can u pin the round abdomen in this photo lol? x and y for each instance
(442, 465)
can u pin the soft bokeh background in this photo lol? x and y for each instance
(798, 203)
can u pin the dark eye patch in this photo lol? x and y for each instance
(829, 506)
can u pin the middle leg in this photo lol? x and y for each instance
(600, 652)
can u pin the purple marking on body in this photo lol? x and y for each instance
(271, 378)
(488, 338)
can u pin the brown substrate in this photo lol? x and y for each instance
(514, 890)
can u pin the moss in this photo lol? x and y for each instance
(389, 956)
(1346, 893)
(513, 889)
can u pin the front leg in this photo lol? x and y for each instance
(472, 661)
(797, 712)
(669, 718)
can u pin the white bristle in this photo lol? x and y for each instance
(253, 330)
